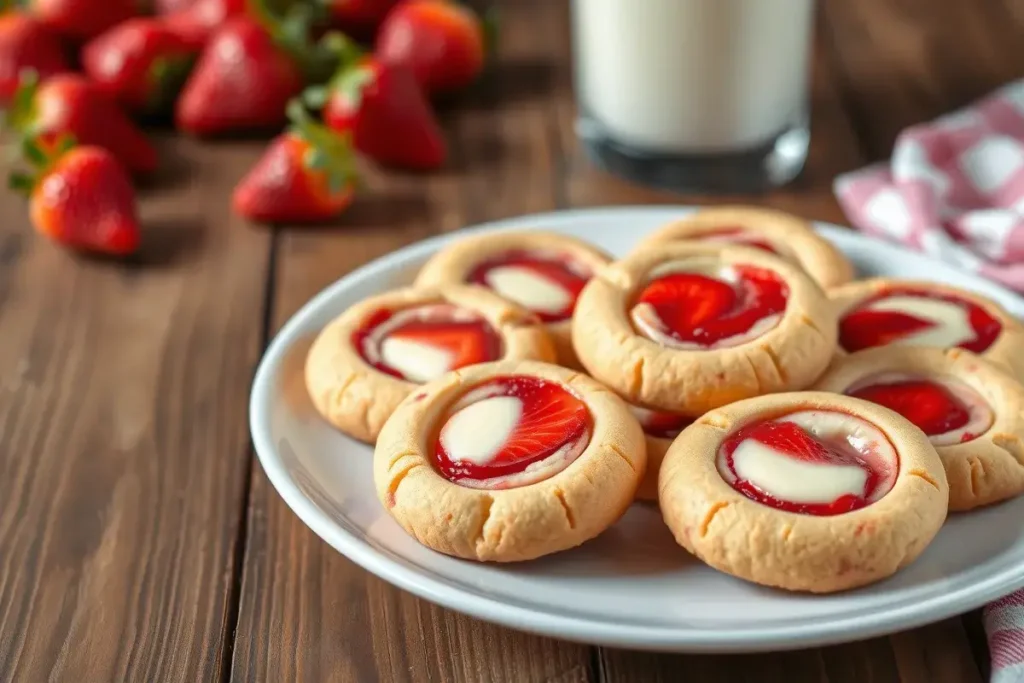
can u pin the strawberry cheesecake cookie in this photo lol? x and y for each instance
(509, 461)
(917, 313)
(787, 236)
(806, 491)
(660, 428)
(364, 363)
(972, 411)
(540, 271)
(687, 327)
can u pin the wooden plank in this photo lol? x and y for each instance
(123, 439)
(307, 613)
(908, 61)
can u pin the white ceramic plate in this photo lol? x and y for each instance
(632, 586)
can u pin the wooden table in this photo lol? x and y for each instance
(139, 538)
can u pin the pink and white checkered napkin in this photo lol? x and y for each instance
(954, 188)
(1004, 624)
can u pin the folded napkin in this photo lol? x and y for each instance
(1004, 624)
(954, 188)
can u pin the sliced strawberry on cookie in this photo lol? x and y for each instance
(930, 406)
(685, 301)
(547, 284)
(813, 462)
(866, 328)
(511, 431)
(703, 309)
(918, 318)
(422, 343)
(465, 343)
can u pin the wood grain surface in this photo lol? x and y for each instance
(139, 538)
(123, 443)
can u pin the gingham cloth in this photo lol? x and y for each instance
(954, 189)
(1004, 624)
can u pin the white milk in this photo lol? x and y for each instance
(693, 76)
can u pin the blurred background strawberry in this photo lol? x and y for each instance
(25, 43)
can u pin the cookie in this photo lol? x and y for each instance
(785, 235)
(660, 428)
(365, 362)
(508, 461)
(971, 410)
(540, 271)
(806, 491)
(919, 313)
(687, 327)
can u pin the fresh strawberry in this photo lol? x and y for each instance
(198, 20)
(306, 175)
(82, 19)
(162, 7)
(443, 42)
(359, 17)
(384, 110)
(25, 44)
(71, 104)
(550, 419)
(930, 406)
(140, 62)
(80, 197)
(249, 71)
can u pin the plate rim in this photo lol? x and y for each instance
(421, 582)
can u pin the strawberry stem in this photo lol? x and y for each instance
(20, 115)
(40, 154)
(329, 152)
(33, 153)
(292, 33)
(166, 76)
(489, 28)
(21, 182)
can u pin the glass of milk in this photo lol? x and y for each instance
(698, 95)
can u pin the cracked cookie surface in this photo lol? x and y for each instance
(509, 461)
(806, 491)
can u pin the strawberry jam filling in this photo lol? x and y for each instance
(545, 282)
(422, 343)
(660, 424)
(920, 318)
(948, 411)
(737, 236)
(814, 462)
(709, 306)
(512, 431)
